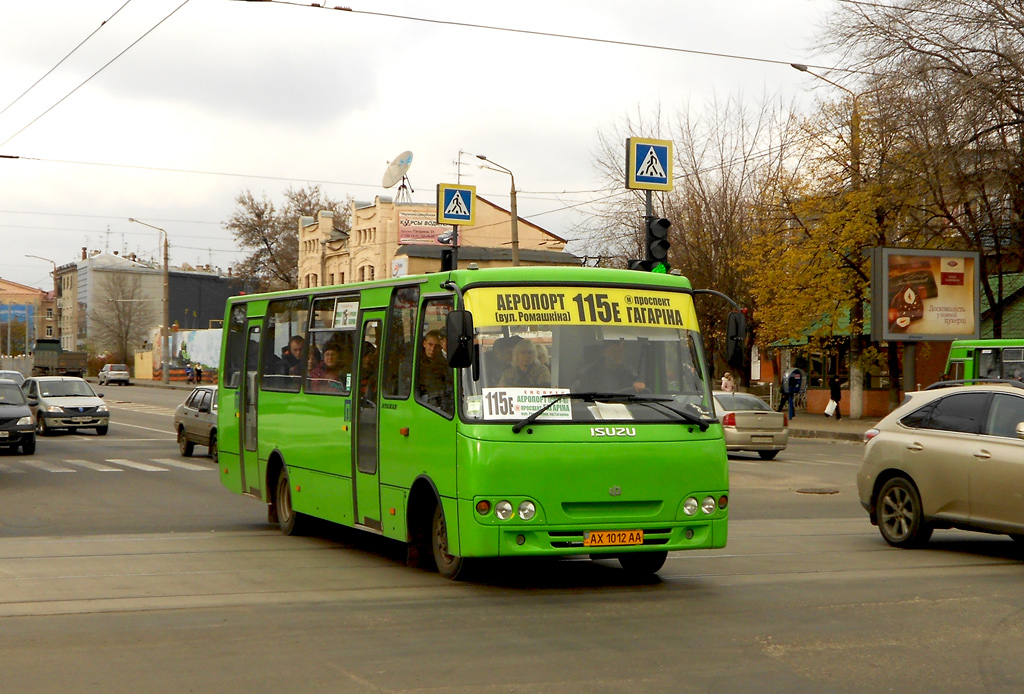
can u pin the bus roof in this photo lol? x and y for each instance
(531, 275)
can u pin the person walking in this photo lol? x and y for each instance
(836, 393)
(728, 385)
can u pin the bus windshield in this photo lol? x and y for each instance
(611, 354)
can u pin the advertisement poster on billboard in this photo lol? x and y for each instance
(925, 295)
(419, 227)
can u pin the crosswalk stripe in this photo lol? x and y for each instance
(98, 467)
(43, 465)
(14, 470)
(146, 467)
(181, 464)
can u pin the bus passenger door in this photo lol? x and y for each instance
(250, 465)
(366, 470)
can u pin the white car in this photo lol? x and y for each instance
(114, 373)
(750, 424)
(65, 402)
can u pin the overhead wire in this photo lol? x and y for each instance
(61, 61)
(87, 79)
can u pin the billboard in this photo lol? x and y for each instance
(919, 295)
(419, 227)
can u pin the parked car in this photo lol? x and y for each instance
(750, 424)
(948, 457)
(17, 427)
(195, 421)
(65, 402)
(114, 373)
(15, 376)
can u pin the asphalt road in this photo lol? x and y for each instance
(157, 580)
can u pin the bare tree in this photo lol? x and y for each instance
(271, 236)
(120, 316)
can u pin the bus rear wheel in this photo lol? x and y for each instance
(448, 565)
(643, 563)
(289, 520)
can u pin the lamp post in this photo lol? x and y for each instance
(857, 309)
(165, 330)
(56, 302)
(495, 166)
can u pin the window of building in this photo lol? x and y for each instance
(49, 331)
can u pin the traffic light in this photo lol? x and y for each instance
(641, 265)
(656, 243)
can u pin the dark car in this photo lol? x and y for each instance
(195, 421)
(17, 427)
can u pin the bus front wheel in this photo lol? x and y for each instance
(643, 562)
(448, 565)
(290, 521)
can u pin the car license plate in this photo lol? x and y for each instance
(4, 434)
(80, 419)
(761, 439)
(612, 538)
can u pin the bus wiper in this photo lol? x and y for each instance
(660, 402)
(591, 396)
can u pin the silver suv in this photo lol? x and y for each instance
(65, 402)
(114, 373)
(949, 457)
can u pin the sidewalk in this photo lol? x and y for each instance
(818, 426)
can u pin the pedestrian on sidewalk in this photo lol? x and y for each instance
(836, 393)
(728, 385)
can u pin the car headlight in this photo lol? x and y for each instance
(25, 420)
(54, 408)
(708, 505)
(527, 510)
(690, 506)
(102, 408)
(503, 510)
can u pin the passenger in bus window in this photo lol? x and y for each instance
(435, 376)
(499, 358)
(330, 375)
(293, 359)
(542, 356)
(609, 373)
(368, 372)
(525, 371)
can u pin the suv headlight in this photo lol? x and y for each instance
(54, 408)
(25, 421)
(102, 408)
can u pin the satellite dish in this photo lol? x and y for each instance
(397, 169)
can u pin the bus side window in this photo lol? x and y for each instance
(235, 351)
(284, 345)
(400, 343)
(434, 382)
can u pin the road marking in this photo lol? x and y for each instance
(145, 467)
(136, 426)
(182, 464)
(98, 467)
(13, 470)
(43, 465)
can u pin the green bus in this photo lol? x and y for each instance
(970, 359)
(502, 412)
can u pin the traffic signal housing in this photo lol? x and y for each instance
(656, 243)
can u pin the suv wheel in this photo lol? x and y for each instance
(900, 515)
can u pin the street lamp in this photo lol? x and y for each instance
(495, 166)
(165, 331)
(56, 303)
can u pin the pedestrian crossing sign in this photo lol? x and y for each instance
(456, 204)
(648, 164)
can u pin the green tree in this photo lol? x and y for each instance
(271, 235)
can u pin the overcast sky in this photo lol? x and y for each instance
(222, 96)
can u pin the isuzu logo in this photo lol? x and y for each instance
(613, 431)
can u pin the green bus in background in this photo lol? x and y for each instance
(970, 359)
(480, 413)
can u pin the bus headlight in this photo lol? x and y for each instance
(503, 510)
(690, 506)
(527, 510)
(708, 505)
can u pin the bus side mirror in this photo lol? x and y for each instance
(459, 329)
(735, 339)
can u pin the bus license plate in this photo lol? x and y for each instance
(612, 538)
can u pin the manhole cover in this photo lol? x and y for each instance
(818, 490)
